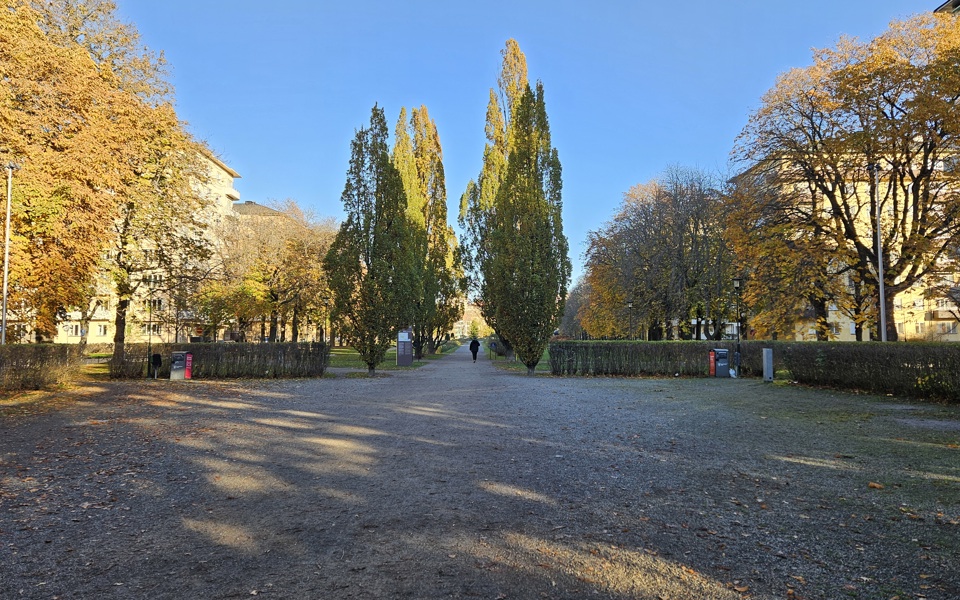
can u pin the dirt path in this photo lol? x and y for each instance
(458, 480)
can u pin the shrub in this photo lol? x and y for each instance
(33, 366)
(919, 370)
(227, 361)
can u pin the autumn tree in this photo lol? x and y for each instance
(440, 287)
(114, 46)
(75, 132)
(370, 264)
(889, 102)
(662, 263)
(270, 271)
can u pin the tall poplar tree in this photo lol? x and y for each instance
(370, 264)
(477, 202)
(418, 157)
(516, 250)
(527, 272)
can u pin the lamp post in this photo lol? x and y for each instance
(630, 308)
(11, 167)
(874, 170)
(737, 287)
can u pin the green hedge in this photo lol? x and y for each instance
(227, 360)
(33, 366)
(919, 370)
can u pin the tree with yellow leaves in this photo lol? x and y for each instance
(890, 102)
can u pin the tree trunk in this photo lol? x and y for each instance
(119, 336)
(274, 317)
(821, 326)
(891, 320)
(295, 334)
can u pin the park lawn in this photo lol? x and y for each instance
(348, 358)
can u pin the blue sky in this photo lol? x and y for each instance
(277, 89)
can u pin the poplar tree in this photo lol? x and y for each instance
(477, 202)
(370, 264)
(516, 252)
(440, 285)
(527, 271)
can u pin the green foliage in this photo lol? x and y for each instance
(917, 370)
(527, 271)
(514, 250)
(440, 286)
(371, 264)
(33, 366)
(227, 361)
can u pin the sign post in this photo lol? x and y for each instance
(405, 348)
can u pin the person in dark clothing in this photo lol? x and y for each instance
(474, 348)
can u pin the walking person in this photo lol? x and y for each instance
(474, 348)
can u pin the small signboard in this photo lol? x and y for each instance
(405, 348)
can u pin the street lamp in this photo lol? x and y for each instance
(737, 287)
(630, 308)
(11, 167)
(874, 170)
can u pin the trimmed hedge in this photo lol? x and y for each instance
(919, 370)
(227, 360)
(33, 366)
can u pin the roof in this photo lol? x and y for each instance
(250, 208)
(219, 163)
(948, 6)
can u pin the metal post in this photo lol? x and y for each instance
(6, 251)
(630, 308)
(737, 283)
(874, 170)
(150, 334)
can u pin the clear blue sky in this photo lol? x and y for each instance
(278, 88)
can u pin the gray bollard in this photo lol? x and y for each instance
(768, 364)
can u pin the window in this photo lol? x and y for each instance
(853, 329)
(918, 303)
(919, 328)
(102, 330)
(154, 280)
(72, 329)
(948, 328)
(154, 304)
(151, 329)
(900, 328)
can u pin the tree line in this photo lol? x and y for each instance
(110, 209)
(395, 260)
(865, 137)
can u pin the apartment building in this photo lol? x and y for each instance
(149, 316)
(951, 6)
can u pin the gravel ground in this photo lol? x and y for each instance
(459, 480)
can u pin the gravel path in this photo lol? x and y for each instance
(459, 480)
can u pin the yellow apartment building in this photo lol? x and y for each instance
(143, 317)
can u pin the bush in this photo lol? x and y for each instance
(33, 366)
(919, 370)
(226, 360)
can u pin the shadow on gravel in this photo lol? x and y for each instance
(513, 488)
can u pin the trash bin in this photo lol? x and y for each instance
(722, 359)
(181, 365)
